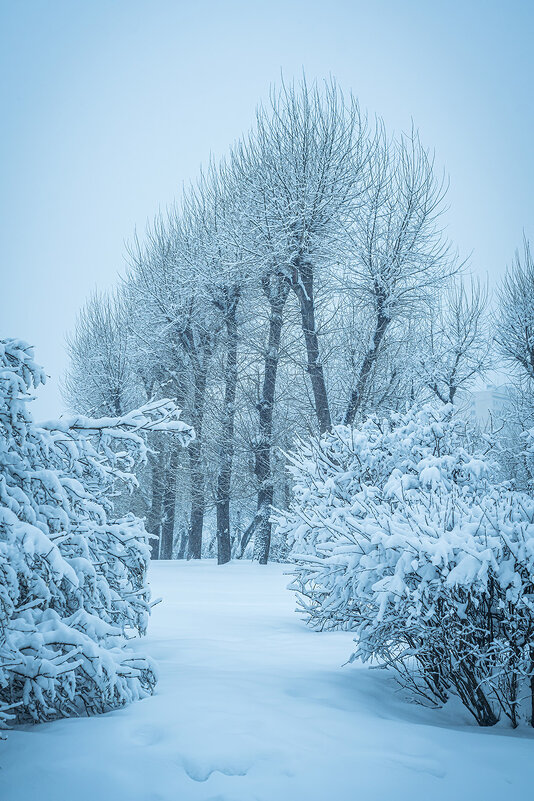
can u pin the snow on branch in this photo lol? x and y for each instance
(72, 576)
(400, 534)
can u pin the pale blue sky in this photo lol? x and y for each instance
(107, 107)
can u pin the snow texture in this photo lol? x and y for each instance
(252, 705)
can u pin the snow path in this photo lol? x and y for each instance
(252, 706)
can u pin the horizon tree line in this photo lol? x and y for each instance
(302, 282)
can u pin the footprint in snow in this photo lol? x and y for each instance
(201, 772)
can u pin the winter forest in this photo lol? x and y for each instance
(279, 541)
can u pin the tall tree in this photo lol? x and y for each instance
(515, 326)
(169, 291)
(455, 344)
(396, 256)
(213, 210)
(101, 377)
(312, 149)
(514, 337)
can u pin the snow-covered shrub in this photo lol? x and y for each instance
(72, 578)
(431, 566)
(335, 476)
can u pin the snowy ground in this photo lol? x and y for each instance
(252, 706)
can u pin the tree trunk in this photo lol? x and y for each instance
(226, 452)
(156, 507)
(169, 505)
(247, 535)
(302, 285)
(183, 544)
(198, 498)
(382, 322)
(277, 297)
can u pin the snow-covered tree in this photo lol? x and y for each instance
(302, 164)
(101, 378)
(514, 338)
(169, 295)
(515, 323)
(282, 292)
(313, 146)
(72, 577)
(454, 348)
(396, 255)
(220, 261)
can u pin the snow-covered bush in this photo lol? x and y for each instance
(72, 578)
(431, 566)
(335, 476)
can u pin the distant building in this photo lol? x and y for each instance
(490, 403)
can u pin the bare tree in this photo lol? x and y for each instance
(213, 211)
(514, 337)
(286, 279)
(271, 274)
(515, 325)
(301, 164)
(164, 284)
(455, 349)
(100, 379)
(275, 288)
(312, 150)
(116, 363)
(396, 255)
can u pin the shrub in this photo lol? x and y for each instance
(408, 544)
(72, 577)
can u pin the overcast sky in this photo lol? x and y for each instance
(107, 107)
